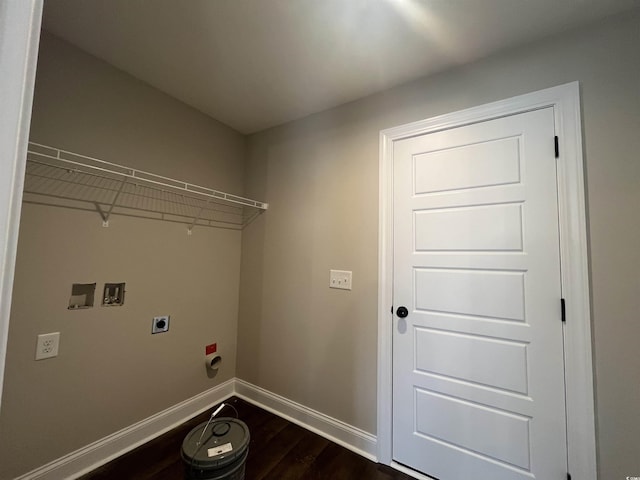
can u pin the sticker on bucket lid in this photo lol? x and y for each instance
(219, 450)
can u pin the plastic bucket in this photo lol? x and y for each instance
(219, 454)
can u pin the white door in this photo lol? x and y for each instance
(478, 375)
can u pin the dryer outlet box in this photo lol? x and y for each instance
(160, 324)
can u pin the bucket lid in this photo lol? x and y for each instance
(225, 440)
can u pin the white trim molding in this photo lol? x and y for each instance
(92, 456)
(19, 37)
(356, 440)
(565, 101)
(108, 448)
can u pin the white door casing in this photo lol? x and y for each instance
(478, 370)
(564, 102)
(19, 36)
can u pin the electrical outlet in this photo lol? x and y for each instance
(340, 279)
(47, 345)
(160, 324)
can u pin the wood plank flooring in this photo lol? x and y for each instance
(279, 450)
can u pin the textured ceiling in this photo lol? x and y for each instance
(253, 64)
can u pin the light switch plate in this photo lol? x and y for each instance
(340, 279)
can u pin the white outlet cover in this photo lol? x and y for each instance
(160, 324)
(47, 345)
(340, 279)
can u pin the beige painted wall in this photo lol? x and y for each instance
(111, 372)
(318, 346)
(296, 337)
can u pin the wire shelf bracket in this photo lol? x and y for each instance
(66, 179)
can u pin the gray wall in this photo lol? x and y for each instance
(111, 372)
(318, 346)
(296, 337)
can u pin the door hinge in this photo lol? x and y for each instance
(563, 310)
(391, 309)
(556, 145)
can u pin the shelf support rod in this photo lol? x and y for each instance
(105, 216)
(105, 222)
(197, 217)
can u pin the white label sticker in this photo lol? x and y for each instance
(220, 449)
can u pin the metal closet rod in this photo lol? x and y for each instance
(142, 176)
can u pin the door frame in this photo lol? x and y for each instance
(579, 383)
(19, 35)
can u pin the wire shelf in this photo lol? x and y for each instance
(66, 179)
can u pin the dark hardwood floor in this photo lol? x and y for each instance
(279, 450)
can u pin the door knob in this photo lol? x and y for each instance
(402, 312)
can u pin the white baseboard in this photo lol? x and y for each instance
(92, 456)
(98, 453)
(356, 440)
